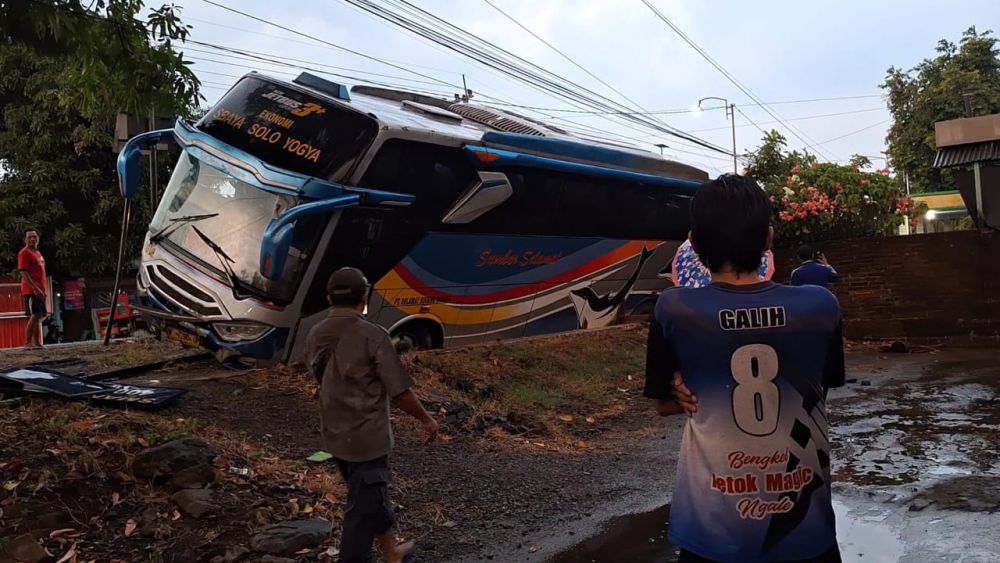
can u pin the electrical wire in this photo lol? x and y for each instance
(729, 76)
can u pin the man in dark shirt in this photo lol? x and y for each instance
(360, 375)
(815, 270)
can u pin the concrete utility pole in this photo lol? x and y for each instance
(731, 116)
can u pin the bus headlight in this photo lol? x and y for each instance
(240, 332)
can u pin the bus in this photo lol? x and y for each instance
(471, 223)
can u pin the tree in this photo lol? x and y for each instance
(817, 202)
(66, 71)
(770, 163)
(961, 81)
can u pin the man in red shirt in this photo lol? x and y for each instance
(32, 267)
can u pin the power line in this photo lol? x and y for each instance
(752, 122)
(800, 118)
(801, 136)
(279, 65)
(565, 56)
(308, 43)
(872, 126)
(256, 54)
(325, 42)
(432, 28)
(688, 110)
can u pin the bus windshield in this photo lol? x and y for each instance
(230, 213)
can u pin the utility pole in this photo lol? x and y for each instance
(731, 115)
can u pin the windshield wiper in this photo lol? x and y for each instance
(176, 223)
(241, 289)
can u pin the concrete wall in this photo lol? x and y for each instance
(918, 286)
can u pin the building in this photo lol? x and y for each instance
(971, 148)
(945, 212)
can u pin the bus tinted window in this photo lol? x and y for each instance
(376, 239)
(550, 203)
(289, 129)
(436, 174)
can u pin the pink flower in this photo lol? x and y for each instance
(865, 182)
(796, 169)
(773, 199)
(814, 164)
(785, 216)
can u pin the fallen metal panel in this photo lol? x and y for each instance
(137, 394)
(52, 382)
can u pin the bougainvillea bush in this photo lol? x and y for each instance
(826, 201)
(830, 201)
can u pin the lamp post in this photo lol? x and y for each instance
(661, 146)
(731, 115)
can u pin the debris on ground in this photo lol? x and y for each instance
(121, 485)
(43, 380)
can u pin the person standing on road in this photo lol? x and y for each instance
(360, 375)
(31, 264)
(815, 270)
(753, 477)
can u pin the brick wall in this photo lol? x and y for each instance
(917, 286)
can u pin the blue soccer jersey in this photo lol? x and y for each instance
(753, 478)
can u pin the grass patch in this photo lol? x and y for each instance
(577, 374)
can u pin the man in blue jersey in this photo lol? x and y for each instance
(815, 270)
(753, 478)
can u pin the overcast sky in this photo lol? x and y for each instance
(781, 50)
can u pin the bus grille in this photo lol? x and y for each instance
(180, 291)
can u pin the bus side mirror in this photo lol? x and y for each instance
(492, 189)
(128, 159)
(278, 233)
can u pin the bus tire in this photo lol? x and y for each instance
(416, 335)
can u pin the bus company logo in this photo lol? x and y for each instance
(309, 109)
(294, 107)
(526, 259)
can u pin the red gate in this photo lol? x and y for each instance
(12, 319)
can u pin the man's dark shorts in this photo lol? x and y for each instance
(34, 306)
(369, 512)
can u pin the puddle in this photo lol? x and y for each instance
(864, 538)
(640, 538)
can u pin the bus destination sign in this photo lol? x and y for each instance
(282, 126)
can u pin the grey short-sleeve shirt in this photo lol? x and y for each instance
(359, 372)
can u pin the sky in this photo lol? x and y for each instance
(779, 50)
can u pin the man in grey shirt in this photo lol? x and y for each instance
(360, 375)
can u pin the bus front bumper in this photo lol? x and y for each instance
(266, 347)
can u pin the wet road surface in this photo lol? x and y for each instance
(915, 460)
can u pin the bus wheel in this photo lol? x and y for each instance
(413, 336)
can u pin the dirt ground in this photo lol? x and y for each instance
(530, 470)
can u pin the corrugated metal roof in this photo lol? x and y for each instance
(967, 154)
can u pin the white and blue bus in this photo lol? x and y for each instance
(472, 223)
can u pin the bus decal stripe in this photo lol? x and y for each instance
(623, 252)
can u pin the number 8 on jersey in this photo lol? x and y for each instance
(756, 399)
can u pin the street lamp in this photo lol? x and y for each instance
(730, 114)
(661, 146)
